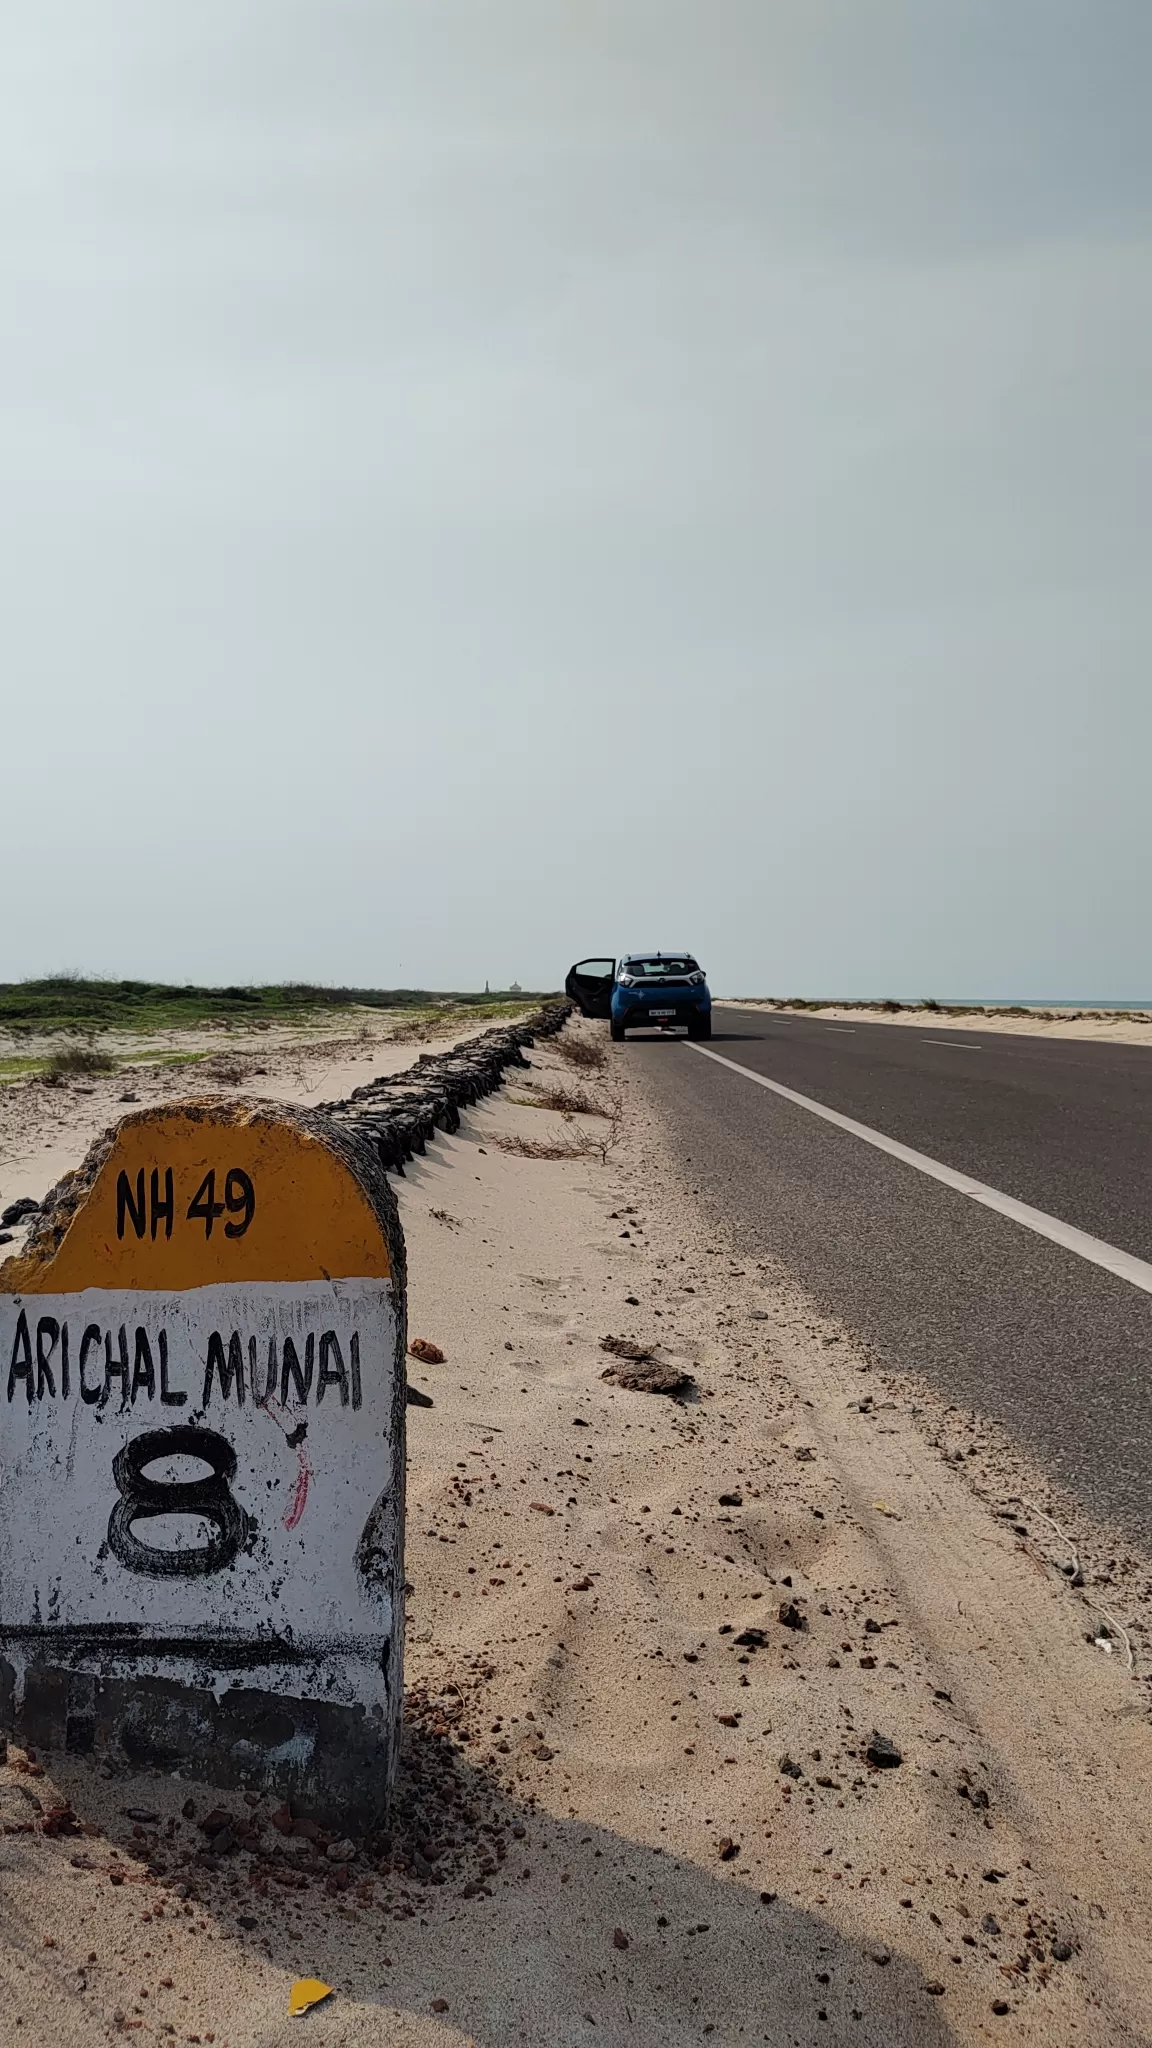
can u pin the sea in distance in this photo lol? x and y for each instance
(1041, 1002)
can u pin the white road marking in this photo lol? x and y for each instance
(845, 1030)
(954, 1044)
(1123, 1264)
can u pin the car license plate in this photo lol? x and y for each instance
(661, 1013)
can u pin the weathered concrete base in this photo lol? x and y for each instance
(333, 1762)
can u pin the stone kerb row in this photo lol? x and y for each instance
(399, 1113)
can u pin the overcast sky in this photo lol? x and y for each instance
(491, 481)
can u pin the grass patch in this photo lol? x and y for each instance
(446, 1018)
(67, 1002)
(78, 1059)
(18, 1068)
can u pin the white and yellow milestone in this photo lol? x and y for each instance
(201, 1451)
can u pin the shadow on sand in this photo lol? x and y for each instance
(572, 1933)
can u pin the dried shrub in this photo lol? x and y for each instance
(569, 1101)
(586, 1053)
(575, 1143)
(79, 1059)
(574, 1146)
(230, 1072)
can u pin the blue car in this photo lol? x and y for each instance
(644, 991)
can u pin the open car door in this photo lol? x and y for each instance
(589, 984)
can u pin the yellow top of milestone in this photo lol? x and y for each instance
(202, 1193)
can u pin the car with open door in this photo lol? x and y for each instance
(644, 991)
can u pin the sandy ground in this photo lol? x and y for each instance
(45, 1130)
(313, 1029)
(1120, 1029)
(611, 1660)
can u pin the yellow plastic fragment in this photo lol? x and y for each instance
(884, 1509)
(305, 1993)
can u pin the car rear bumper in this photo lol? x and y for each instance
(639, 1016)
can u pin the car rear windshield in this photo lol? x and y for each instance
(674, 968)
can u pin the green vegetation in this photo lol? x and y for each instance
(67, 1002)
(79, 1059)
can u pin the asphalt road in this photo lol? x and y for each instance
(1056, 1349)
